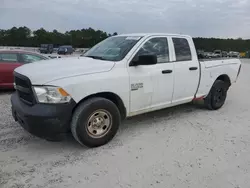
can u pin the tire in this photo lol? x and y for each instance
(217, 95)
(85, 131)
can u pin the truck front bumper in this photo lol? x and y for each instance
(48, 121)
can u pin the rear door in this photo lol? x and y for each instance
(186, 66)
(8, 62)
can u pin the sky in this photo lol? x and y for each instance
(198, 18)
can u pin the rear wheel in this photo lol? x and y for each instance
(95, 122)
(217, 95)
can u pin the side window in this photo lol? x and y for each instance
(8, 57)
(30, 58)
(155, 46)
(182, 49)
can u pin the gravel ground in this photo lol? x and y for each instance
(184, 146)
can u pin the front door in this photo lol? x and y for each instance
(151, 85)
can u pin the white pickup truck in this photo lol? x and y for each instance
(120, 77)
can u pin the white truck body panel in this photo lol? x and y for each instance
(53, 69)
(184, 88)
(116, 81)
(83, 77)
(211, 70)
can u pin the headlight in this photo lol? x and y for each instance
(50, 94)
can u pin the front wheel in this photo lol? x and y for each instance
(217, 95)
(95, 122)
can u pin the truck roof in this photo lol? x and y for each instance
(152, 34)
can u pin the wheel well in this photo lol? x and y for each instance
(225, 78)
(110, 96)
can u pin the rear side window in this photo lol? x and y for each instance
(8, 57)
(182, 49)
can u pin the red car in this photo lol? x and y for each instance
(9, 60)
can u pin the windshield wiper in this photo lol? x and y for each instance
(95, 57)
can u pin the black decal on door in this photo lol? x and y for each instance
(136, 86)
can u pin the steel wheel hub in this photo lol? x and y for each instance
(99, 123)
(219, 95)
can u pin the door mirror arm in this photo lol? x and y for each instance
(133, 63)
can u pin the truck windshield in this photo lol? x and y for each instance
(113, 48)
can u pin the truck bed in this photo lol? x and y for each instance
(220, 58)
(218, 62)
(212, 68)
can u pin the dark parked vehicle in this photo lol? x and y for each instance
(9, 60)
(46, 48)
(65, 50)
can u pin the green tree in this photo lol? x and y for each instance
(88, 37)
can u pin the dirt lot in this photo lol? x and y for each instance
(179, 147)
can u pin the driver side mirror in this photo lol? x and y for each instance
(145, 60)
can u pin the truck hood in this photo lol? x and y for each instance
(45, 71)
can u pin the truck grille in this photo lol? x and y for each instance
(23, 88)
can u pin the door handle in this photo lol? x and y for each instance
(167, 71)
(193, 68)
